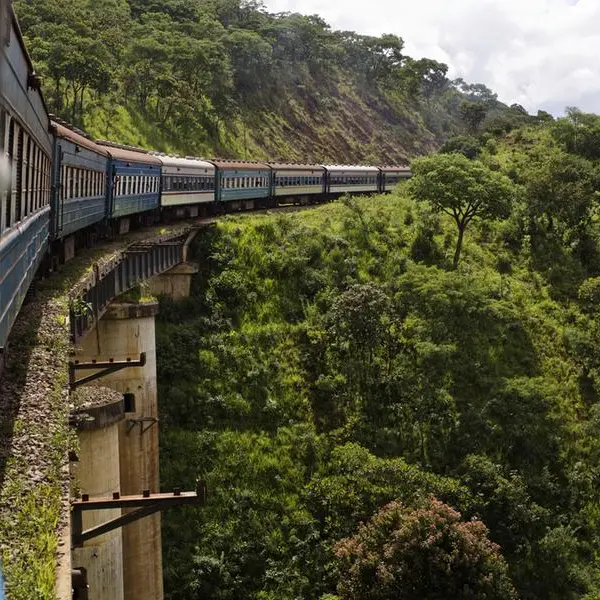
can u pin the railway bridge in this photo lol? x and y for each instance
(100, 380)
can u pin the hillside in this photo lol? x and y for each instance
(211, 78)
(331, 361)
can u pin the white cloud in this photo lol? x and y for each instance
(542, 54)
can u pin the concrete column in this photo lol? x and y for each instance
(175, 282)
(125, 331)
(97, 473)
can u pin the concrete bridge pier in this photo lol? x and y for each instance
(175, 282)
(125, 331)
(98, 474)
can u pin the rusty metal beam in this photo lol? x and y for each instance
(146, 504)
(105, 367)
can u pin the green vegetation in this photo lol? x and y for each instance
(332, 361)
(227, 78)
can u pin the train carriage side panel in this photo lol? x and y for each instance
(134, 181)
(392, 176)
(186, 182)
(237, 181)
(297, 180)
(26, 146)
(351, 178)
(79, 188)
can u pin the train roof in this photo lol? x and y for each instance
(276, 166)
(222, 163)
(178, 162)
(390, 169)
(129, 153)
(352, 168)
(76, 137)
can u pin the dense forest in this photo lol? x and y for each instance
(348, 384)
(226, 78)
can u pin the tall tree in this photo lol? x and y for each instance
(461, 188)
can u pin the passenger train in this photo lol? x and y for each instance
(63, 190)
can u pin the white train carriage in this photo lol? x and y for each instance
(392, 176)
(187, 183)
(301, 182)
(341, 179)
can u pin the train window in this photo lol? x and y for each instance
(19, 184)
(75, 173)
(3, 153)
(11, 152)
(62, 182)
(28, 183)
(39, 178)
(33, 171)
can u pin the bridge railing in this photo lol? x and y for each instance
(138, 263)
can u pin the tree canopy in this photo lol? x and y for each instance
(426, 553)
(461, 188)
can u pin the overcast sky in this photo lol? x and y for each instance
(543, 54)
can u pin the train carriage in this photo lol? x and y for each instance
(26, 148)
(341, 179)
(392, 176)
(133, 184)
(79, 182)
(239, 183)
(301, 182)
(187, 183)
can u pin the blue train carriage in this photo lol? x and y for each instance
(188, 186)
(342, 179)
(133, 186)
(78, 190)
(300, 184)
(242, 184)
(26, 149)
(392, 176)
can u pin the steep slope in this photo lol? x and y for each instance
(230, 79)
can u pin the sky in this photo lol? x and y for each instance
(542, 54)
